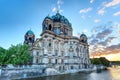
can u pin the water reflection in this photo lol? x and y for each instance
(110, 74)
(104, 75)
(115, 73)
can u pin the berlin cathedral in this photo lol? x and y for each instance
(57, 47)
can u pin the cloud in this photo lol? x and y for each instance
(101, 41)
(91, 1)
(104, 33)
(85, 10)
(113, 49)
(113, 57)
(94, 41)
(54, 9)
(117, 13)
(99, 51)
(101, 11)
(83, 16)
(118, 31)
(96, 29)
(107, 5)
(58, 8)
(112, 3)
(107, 41)
(117, 27)
(59, 2)
(85, 31)
(97, 20)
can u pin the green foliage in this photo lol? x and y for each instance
(2, 55)
(16, 55)
(100, 61)
(104, 61)
(96, 61)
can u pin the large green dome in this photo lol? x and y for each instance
(59, 18)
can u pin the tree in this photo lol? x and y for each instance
(2, 55)
(21, 54)
(95, 61)
(101, 60)
(104, 61)
(16, 55)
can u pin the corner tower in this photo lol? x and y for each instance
(83, 38)
(29, 38)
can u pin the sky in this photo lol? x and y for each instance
(98, 19)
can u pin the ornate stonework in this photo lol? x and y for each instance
(58, 48)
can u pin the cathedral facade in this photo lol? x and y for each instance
(58, 48)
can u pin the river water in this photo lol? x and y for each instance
(110, 74)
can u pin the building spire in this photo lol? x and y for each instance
(48, 15)
(59, 2)
(57, 10)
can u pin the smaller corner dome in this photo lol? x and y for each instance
(30, 32)
(48, 17)
(83, 35)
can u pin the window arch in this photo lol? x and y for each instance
(50, 27)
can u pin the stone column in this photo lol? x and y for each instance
(34, 57)
(58, 47)
(53, 48)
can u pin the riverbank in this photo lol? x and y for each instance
(110, 74)
(19, 74)
(38, 71)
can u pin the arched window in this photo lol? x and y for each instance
(37, 53)
(79, 67)
(63, 67)
(57, 30)
(45, 26)
(55, 61)
(62, 52)
(37, 60)
(59, 67)
(56, 52)
(49, 44)
(66, 32)
(50, 27)
(62, 61)
(49, 60)
(30, 39)
(71, 67)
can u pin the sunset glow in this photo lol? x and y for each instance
(110, 57)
